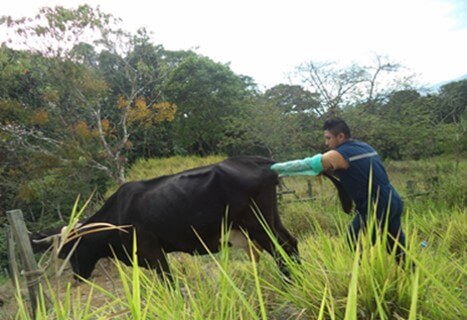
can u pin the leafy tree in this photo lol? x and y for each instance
(454, 102)
(451, 116)
(301, 112)
(67, 113)
(92, 100)
(206, 94)
(400, 128)
(260, 129)
(293, 99)
(149, 122)
(54, 32)
(281, 123)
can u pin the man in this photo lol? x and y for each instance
(361, 172)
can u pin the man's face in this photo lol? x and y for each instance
(332, 141)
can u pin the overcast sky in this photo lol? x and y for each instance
(267, 39)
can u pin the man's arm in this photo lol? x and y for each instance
(308, 166)
(333, 160)
(330, 161)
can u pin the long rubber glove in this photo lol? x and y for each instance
(311, 166)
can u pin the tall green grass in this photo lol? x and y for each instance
(332, 281)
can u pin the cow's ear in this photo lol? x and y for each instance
(344, 197)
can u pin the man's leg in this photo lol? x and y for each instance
(354, 230)
(396, 238)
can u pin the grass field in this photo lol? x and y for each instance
(332, 282)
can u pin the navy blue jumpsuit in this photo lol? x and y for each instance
(362, 159)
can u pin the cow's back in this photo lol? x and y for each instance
(171, 207)
(248, 173)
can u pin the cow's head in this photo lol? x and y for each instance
(67, 243)
(84, 244)
(43, 241)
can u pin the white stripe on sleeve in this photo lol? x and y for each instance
(363, 156)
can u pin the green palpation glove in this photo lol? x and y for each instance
(311, 166)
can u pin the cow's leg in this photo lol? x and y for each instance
(264, 240)
(152, 256)
(286, 240)
(157, 260)
(266, 203)
(268, 207)
(238, 239)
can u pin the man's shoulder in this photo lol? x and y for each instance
(355, 144)
(354, 147)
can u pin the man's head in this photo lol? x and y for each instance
(336, 131)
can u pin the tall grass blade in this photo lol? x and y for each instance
(257, 280)
(232, 284)
(351, 306)
(323, 303)
(413, 303)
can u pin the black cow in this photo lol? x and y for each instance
(185, 212)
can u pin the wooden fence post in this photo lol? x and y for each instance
(31, 272)
(279, 191)
(14, 273)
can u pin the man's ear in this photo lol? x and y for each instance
(341, 136)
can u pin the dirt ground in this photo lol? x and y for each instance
(104, 276)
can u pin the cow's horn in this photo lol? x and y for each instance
(46, 239)
(63, 231)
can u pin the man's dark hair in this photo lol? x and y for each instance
(336, 126)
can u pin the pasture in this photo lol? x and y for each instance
(332, 282)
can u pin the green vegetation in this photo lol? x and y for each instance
(332, 282)
(86, 106)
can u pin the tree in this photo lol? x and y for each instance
(340, 87)
(401, 127)
(95, 92)
(206, 94)
(454, 102)
(281, 123)
(293, 99)
(451, 116)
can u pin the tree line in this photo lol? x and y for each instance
(81, 100)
